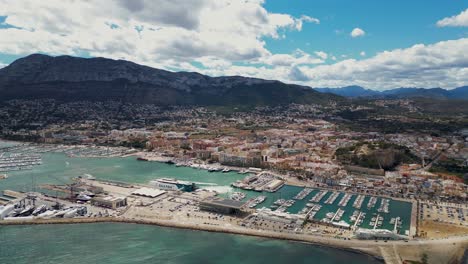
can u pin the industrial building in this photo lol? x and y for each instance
(109, 201)
(221, 205)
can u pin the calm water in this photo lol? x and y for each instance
(58, 168)
(127, 243)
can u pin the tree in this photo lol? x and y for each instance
(424, 258)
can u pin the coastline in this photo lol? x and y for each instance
(369, 250)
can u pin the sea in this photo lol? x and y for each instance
(130, 243)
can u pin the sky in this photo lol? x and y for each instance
(377, 44)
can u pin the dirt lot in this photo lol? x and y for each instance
(441, 230)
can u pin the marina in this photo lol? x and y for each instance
(318, 196)
(372, 202)
(345, 200)
(332, 198)
(18, 161)
(303, 194)
(358, 202)
(384, 205)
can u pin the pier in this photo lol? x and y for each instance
(319, 196)
(303, 194)
(332, 198)
(358, 202)
(376, 222)
(357, 220)
(395, 226)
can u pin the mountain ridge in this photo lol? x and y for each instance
(72, 78)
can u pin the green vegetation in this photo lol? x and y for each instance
(137, 143)
(451, 166)
(375, 155)
(424, 258)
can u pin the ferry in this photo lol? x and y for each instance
(3, 176)
(173, 185)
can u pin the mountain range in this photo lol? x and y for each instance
(434, 93)
(67, 78)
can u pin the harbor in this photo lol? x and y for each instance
(60, 167)
(285, 210)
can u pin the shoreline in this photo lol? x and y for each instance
(369, 250)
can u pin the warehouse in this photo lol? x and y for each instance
(220, 205)
(109, 201)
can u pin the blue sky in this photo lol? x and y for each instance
(388, 24)
(396, 43)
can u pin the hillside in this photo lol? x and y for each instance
(375, 155)
(68, 78)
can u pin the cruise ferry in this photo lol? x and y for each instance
(173, 185)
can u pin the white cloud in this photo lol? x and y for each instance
(178, 35)
(357, 32)
(213, 62)
(362, 53)
(170, 33)
(443, 64)
(321, 54)
(299, 57)
(460, 20)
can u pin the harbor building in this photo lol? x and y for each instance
(148, 192)
(109, 201)
(221, 205)
(382, 234)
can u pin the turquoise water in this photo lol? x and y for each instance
(127, 243)
(58, 168)
(397, 208)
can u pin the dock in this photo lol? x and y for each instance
(357, 220)
(376, 221)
